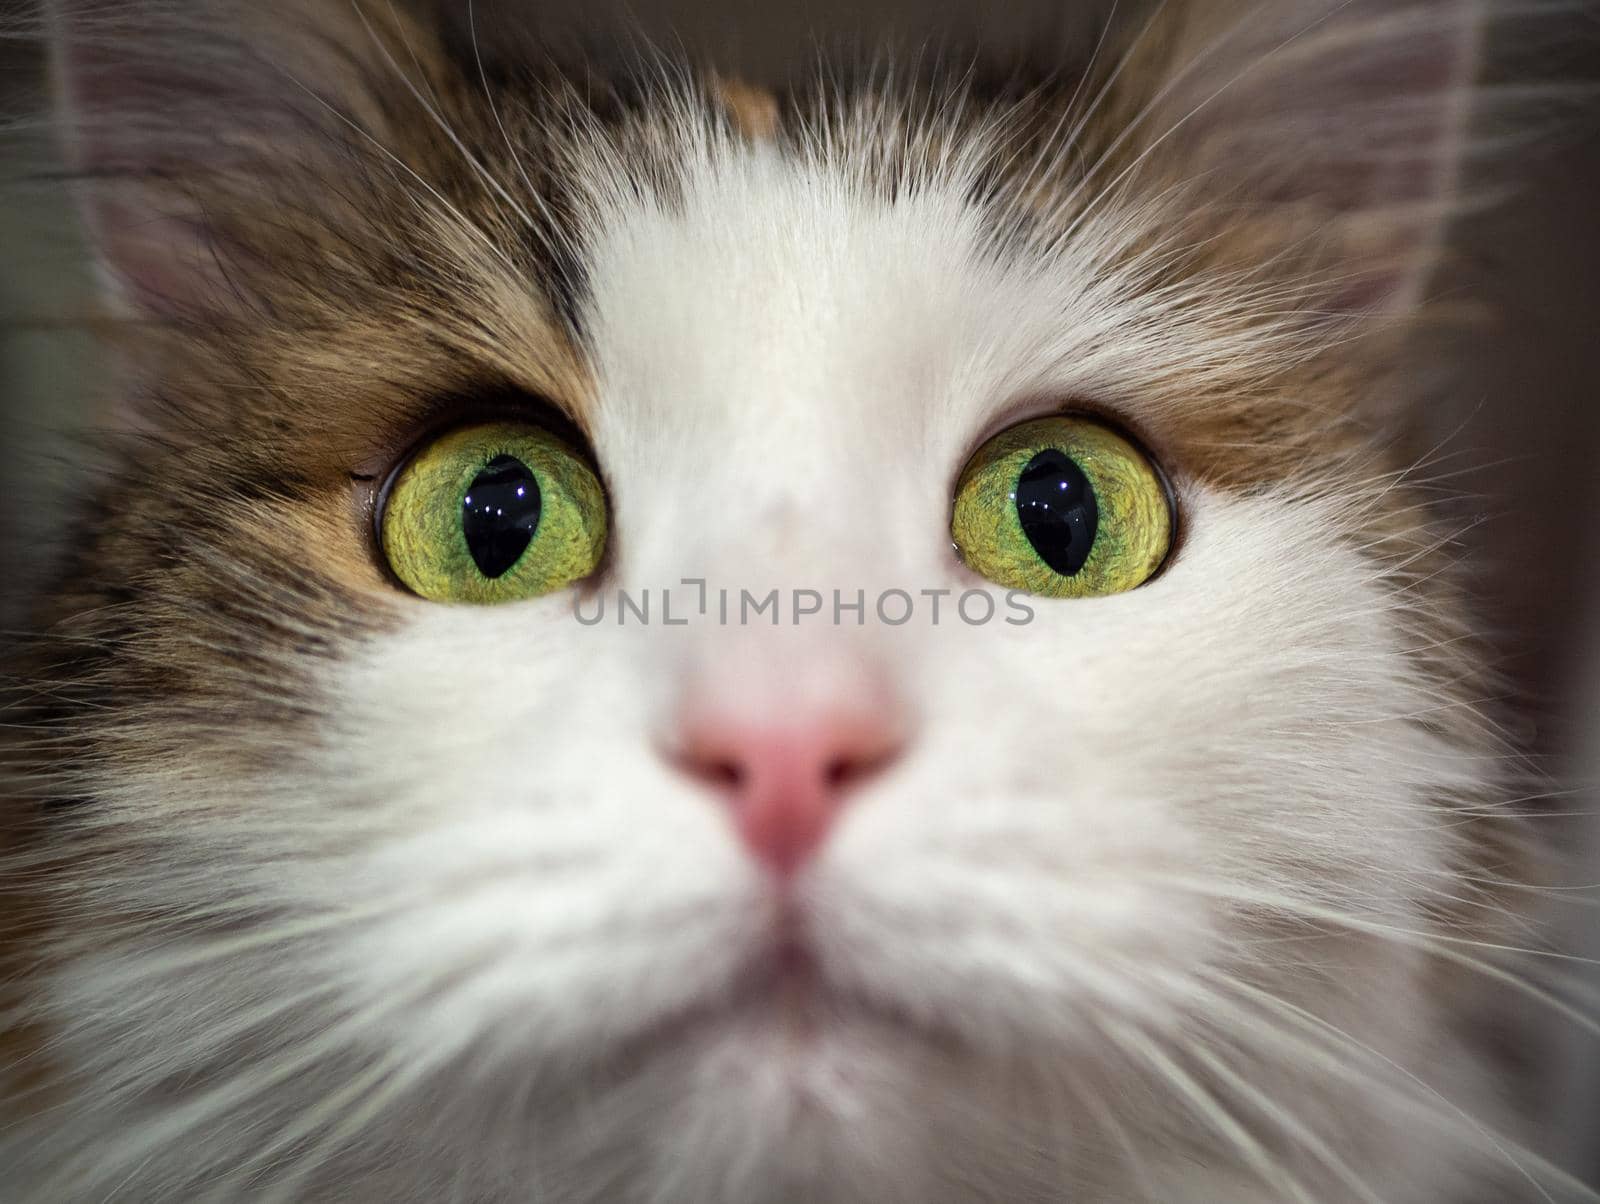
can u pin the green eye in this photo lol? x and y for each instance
(493, 513)
(1064, 507)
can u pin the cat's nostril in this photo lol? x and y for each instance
(845, 771)
(785, 784)
(723, 773)
(839, 772)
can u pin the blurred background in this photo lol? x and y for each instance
(1523, 436)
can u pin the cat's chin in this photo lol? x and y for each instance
(790, 1010)
(798, 1015)
(782, 1014)
(796, 1090)
(788, 1007)
(782, 1094)
(786, 1032)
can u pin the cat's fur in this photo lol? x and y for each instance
(320, 891)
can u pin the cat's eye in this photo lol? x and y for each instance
(493, 513)
(1064, 507)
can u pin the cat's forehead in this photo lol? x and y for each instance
(795, 292)
(776, 295)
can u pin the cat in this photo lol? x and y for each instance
(372, 832)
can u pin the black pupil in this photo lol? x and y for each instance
(1059, 516)
(499, 514)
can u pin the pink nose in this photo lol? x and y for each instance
(786, 782)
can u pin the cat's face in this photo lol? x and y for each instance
(362, 888)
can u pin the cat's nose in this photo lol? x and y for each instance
(786, 781)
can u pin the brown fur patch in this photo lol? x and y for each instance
(753, 111)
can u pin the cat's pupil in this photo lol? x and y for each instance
(1058, 511)
(499, 514)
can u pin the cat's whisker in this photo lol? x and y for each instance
(121, 1076)
(1331, 1057)
(339, 1117)
(1286, 1121)
(1206, 1108)
(1441, 945)
(252, 1081)
(1554, 894)
(155, 962)
(1127, 1148)
(1327, 1048)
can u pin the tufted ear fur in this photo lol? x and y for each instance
(162, 105)
(1342, 119)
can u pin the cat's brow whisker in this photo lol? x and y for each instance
(1069, 111)
(1129, 55)
(1163, 94)
(411, 51)
(465, 224)
(444, 125)
(1440, 541)
(1366, 33)
(494, 110)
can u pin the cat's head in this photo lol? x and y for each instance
(1003, 855)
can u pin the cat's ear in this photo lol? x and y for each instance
(1346, 118)
(160, 102)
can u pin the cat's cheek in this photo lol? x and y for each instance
(1019, 918)
(544, 890)
(1107, 806)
